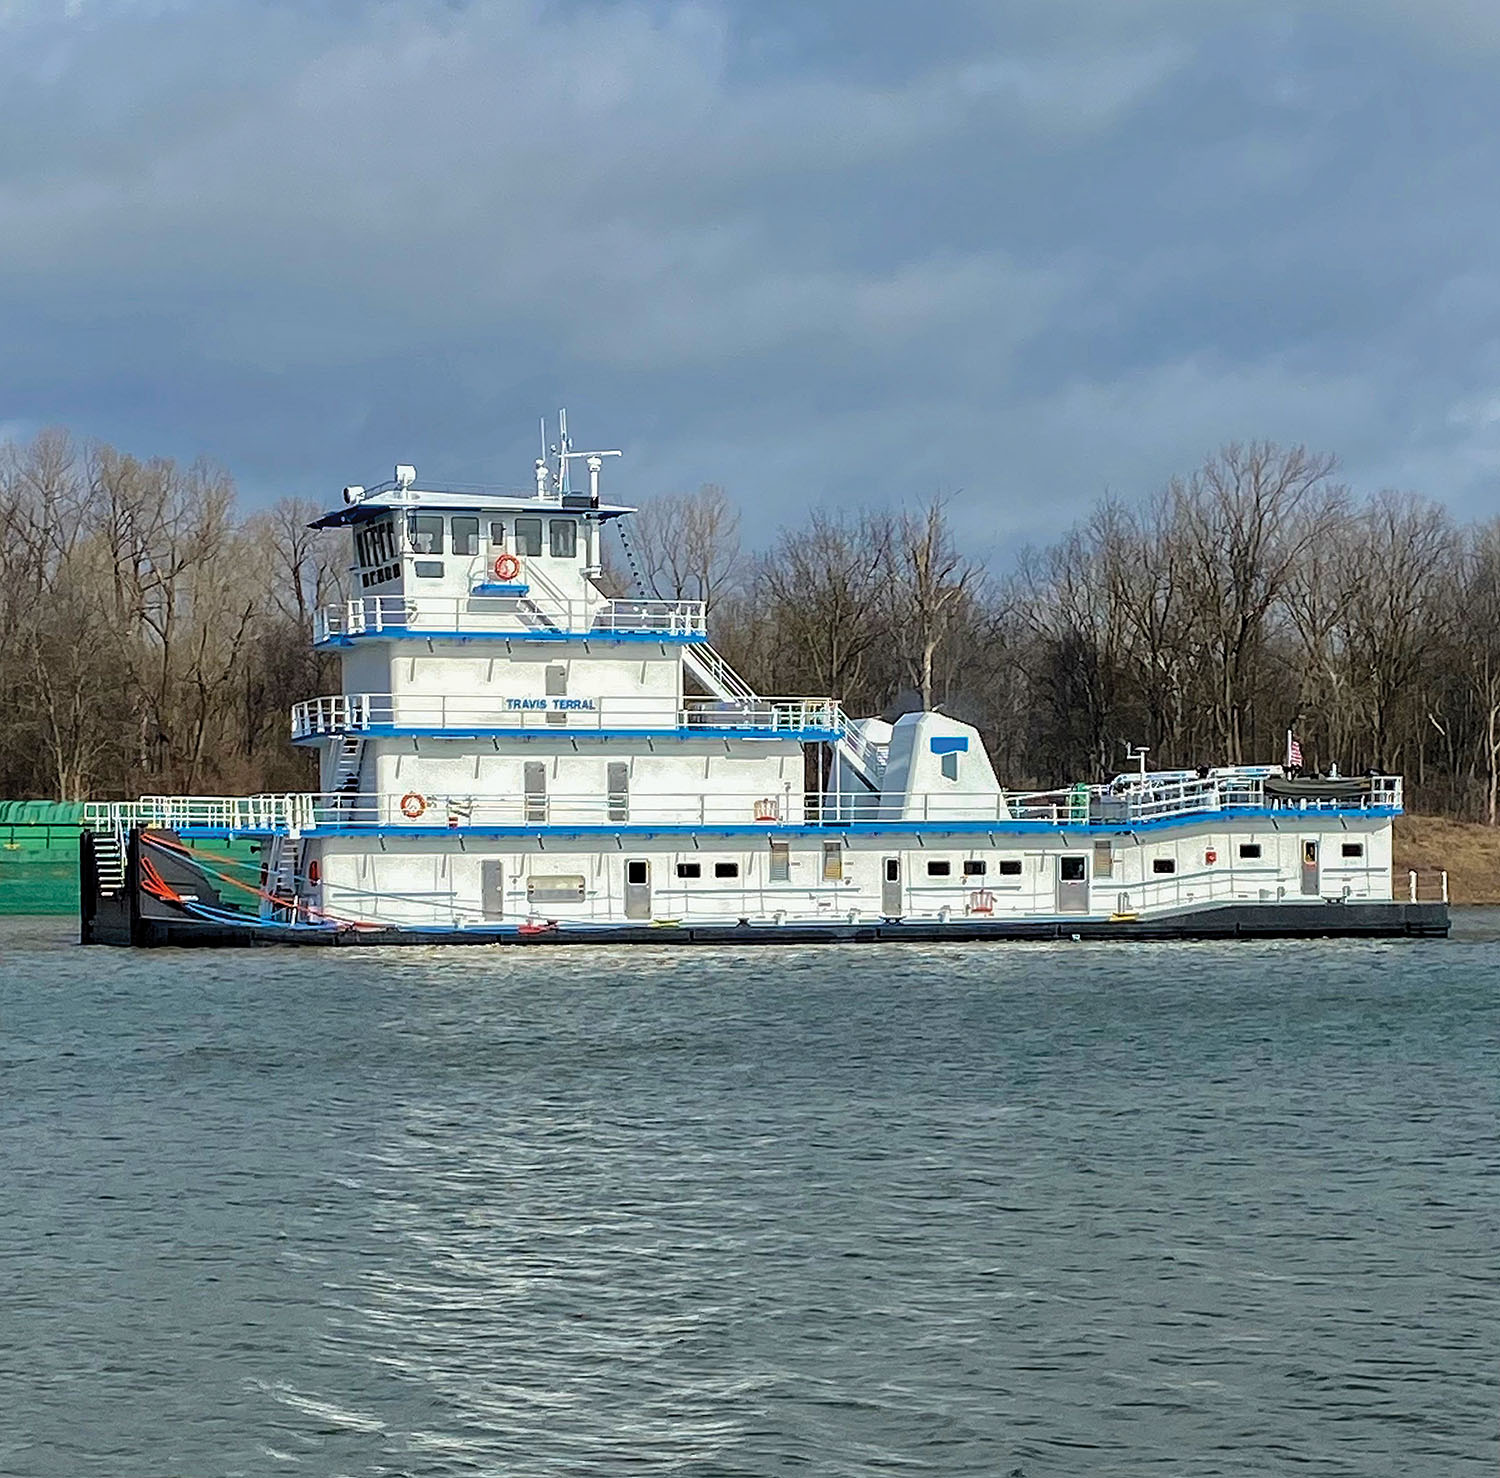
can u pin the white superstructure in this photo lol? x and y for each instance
(513, 748)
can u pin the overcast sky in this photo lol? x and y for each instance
(830, 250)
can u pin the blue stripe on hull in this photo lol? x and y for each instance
(562, 731)
(868, 829)
(398, 633)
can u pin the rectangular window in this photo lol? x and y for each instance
(562, 533)
(535, 785)
(635, 872)
(690, 869)
(555, 888)
(939, 869)
(1071, 869)
(497, 534)
(466, 536)
(529, 537)
(833, 862)
(975, 869)
(1104, 860)
(726, 869)
(781, 862)
(1352, 849)
(424, 531)
(950, 765)
(1010, 867)
(1250, 851)
(618, 780)
(428, 569)
(1163, 864)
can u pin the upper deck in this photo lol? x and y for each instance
(534, 617)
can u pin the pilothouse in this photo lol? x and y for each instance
(518, 753)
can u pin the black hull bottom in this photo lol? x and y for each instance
(1227, 921)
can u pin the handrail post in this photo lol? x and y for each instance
(1411, 885)
(1444, 877)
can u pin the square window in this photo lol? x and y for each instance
(1163, 864)
(636, 872)
(975, 869)
(529, 537)
(466, 536)
(690, 869)
(726, 869)
(940, 868)
(1010, 867)
(1250, 851)
(1352, 849)
(562, 535)
(1071, 869)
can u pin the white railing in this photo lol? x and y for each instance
(303, 812)
(1159, 797)
(347, 713)
(511, 615)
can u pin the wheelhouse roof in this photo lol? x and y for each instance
(391, 499)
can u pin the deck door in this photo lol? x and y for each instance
(891, 901)
(1073, 883)
(1311, 882)
(492, 888)
(637, 888)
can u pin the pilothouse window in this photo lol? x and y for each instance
(466, 536)
(563, 533)
(425, 532)
(528, 537)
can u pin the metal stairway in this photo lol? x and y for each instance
(347, 767)
(716, 676)
(283, 870)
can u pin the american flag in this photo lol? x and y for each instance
(1293, 752)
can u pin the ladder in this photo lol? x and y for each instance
(109, 862)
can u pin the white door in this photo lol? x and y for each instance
(1073, 883)
(637, 888)
(1311, 882)
(892, 905)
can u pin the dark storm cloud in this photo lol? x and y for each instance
(1028, 251)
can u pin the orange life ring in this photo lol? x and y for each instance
(507, 567)
(412, 805)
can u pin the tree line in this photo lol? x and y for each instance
(154, 636)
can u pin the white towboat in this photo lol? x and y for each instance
(517, 756)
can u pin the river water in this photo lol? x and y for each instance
(1017, 1210)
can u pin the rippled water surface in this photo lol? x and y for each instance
(1023, 1210)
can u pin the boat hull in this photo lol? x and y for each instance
(166, 899)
